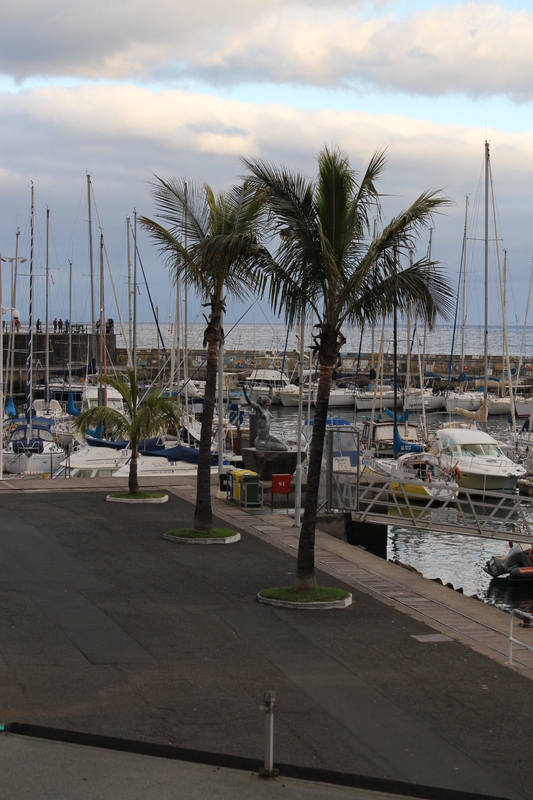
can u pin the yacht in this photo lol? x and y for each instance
(267, 382)
(476, 457)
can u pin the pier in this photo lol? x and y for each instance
(153, 364)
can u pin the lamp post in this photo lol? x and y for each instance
(14, 315)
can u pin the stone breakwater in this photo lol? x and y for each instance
(152, 362)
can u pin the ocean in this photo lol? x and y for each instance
(274, 338)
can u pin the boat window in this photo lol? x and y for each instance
(472, 450)
(492, 450)
(44, 435)
(17, 436)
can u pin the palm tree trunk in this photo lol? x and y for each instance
(305, 568)
(203, 515)
(133, 483)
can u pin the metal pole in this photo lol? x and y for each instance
(129, 288)
(298, 472)
(14, 302)
(135, 290)
(221, 404)
(486, 337)
(1, 379)
(93, 321)
(29, 367)
(47, 337)
(70, 326)
(269, 707)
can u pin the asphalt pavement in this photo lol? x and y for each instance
(108, 629)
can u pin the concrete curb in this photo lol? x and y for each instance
(136, 500)
(195, 540)
(313, 605)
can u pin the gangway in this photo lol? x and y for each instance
(382, 501)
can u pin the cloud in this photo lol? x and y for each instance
(474, 49)
(126, 132)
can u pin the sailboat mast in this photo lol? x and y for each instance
(134, 290)
(47, 315)
(103, 351)
(91, 266)
(129, 288)
(425, 320)
(464, 291)
(486, 338)
(29, 362)
(13, 303)
(70, 326)
(504, 301)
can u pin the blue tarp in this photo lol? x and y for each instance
(404, 447)
(399, 417)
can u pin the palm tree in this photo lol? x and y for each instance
(328, 261)
(140, 420)
(212, 243)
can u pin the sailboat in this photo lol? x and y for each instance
(32, 446)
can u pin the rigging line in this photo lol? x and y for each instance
(110, 272)
(151, 301)
(450, 363)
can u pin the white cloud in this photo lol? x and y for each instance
(469, 48)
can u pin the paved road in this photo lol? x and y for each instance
(110, 629)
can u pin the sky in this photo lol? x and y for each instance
(122, 91)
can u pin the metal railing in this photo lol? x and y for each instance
(512, 640)
(491, 515)
(389, 501)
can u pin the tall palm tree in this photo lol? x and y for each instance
(328, 261)
(142, 417)
(213, 244)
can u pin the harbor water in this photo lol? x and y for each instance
(454, 559)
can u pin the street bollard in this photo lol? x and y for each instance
(269, 707)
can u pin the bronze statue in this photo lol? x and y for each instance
(264, 440)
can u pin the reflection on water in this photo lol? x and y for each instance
(453, 558)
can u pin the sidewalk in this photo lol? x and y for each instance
(109, 629)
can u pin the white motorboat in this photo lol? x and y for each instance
(384, 398)
(91, 397)
(31, 448)
(267, 382)
(413, 399)
(476, 457)
(88, 461)
(420, 476)
(522, 406)
(471, 401)
(338, 397)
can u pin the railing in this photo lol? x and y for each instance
(512, 640)
(492, 515)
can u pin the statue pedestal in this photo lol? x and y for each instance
(269, 462)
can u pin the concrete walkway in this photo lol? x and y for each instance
(109, 629)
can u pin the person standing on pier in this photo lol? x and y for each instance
(55, 324)
(38, 326)
(60, 325)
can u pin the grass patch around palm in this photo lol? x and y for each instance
(138, 495)
(190, 533)
(322, 594)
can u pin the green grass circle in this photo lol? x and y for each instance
(190, 533)
(322, 594)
